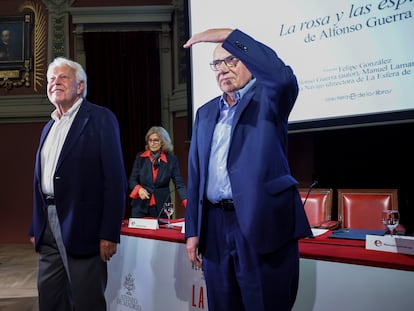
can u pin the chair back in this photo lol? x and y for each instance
(318, 205)
(362, 208)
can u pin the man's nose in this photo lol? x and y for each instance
(223, 67)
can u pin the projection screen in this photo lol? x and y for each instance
(354, 60)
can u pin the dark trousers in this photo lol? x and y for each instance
(238, 278)
(81, 287)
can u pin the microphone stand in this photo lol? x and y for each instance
(314, 184)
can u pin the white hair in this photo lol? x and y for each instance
(79, 72)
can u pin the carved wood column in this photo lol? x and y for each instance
(58, 32)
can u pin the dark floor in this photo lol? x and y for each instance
(18, 273)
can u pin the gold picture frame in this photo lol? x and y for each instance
(15, 50)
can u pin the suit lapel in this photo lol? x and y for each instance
(42, 141)
(79, 123)
(211, 116)
(241, 107)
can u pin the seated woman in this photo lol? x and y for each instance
(151, 174)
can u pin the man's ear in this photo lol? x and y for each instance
(80, 87)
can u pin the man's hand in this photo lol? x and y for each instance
(211, 35)
(191, 246)
(107, 249)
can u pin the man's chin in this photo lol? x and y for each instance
(227, 87)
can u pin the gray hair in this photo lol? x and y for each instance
(79, 72)
(166, 145)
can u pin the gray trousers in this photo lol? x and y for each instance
(66, 282)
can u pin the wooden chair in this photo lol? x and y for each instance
(318, 205)
(361, 208)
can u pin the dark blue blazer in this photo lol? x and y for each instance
(268, 205)
(142, 175)
(89, 182)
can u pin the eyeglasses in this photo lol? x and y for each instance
(230, 61)
(155, 140)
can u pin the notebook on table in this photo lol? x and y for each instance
(355, 234)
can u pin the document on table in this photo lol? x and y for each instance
(317, 231)
(180, 224)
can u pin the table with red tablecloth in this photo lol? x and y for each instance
(349, 251)
(335, 274)
(321, 247)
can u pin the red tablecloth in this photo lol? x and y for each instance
(173, 235)
(352, 251)
(320, 248)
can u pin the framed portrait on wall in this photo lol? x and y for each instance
(15, 46)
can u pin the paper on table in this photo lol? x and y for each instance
(143, 223)
(391, 243)
(178, 224)
(317, 231)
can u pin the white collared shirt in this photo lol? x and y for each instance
(53, 145)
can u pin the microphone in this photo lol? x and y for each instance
(313, 185)
(162, 222)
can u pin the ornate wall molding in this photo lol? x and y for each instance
(39, 42)
(58, 7)
(135, 18)
(25, 108)
(58, 21)
(122, 14)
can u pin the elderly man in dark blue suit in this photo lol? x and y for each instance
(244, 215)
(80, 190)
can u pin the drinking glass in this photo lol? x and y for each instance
(391, 219)
(169, 210)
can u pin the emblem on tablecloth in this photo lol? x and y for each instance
(129, 284)
(129, 299)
